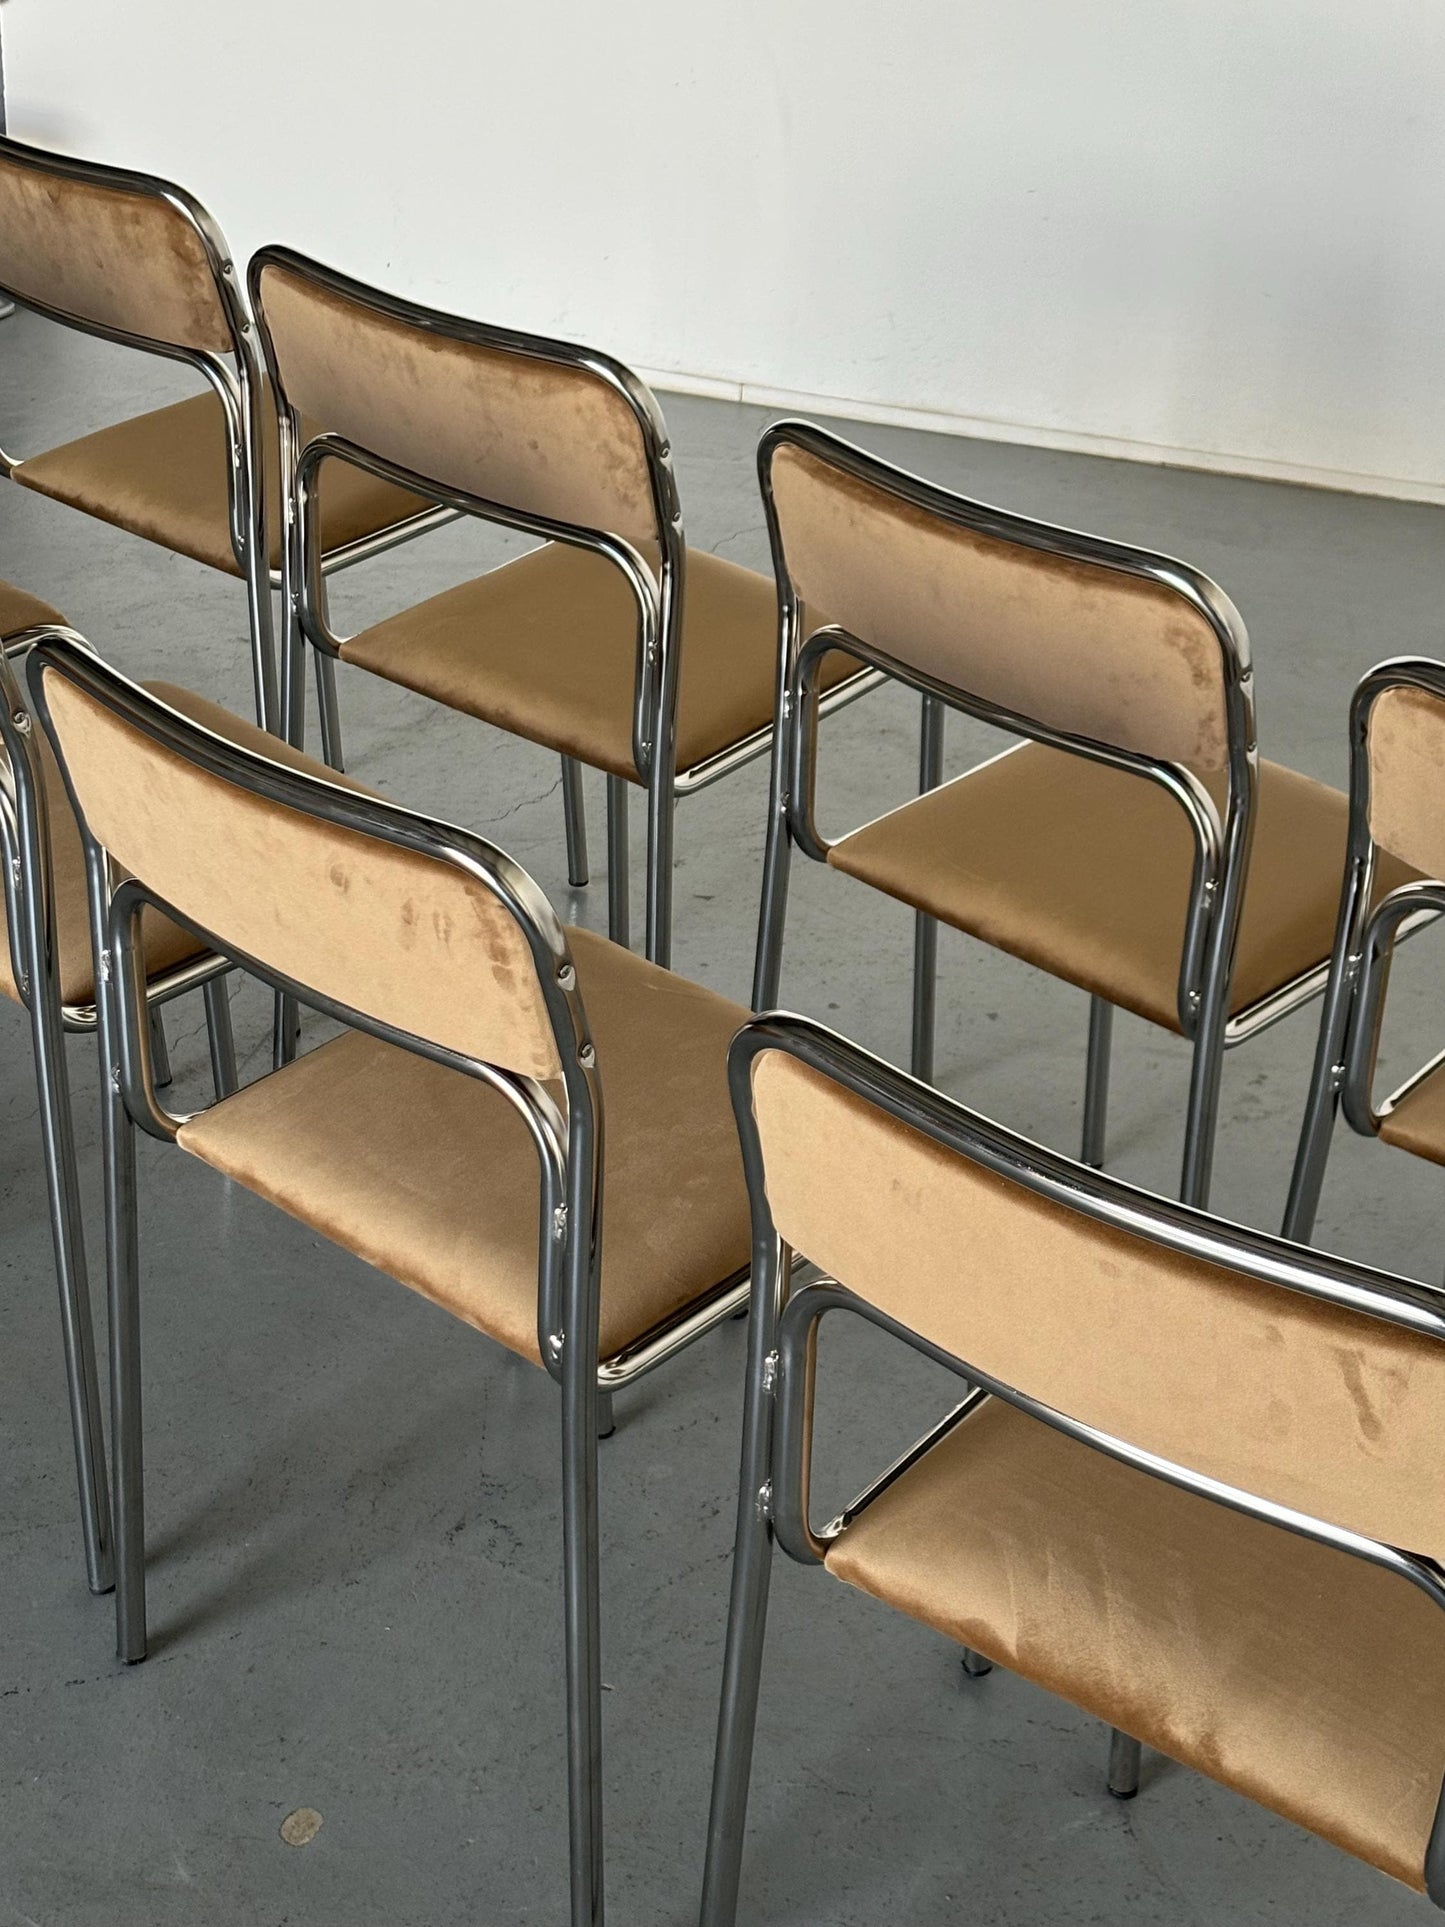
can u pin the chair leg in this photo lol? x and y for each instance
(1096, 1084)
(661, 817)
(77, 1328)
(123, 1278)
(160, 1050)
(329, 709)
(1124, 1759)
(975, 1665)
(747, 1616)
(619, 894)
(574, 812)
(925, 928)
(1323, 1103)
(222, 1038)
(580, 1417)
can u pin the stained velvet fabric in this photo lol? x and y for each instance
(20, 610)
(1075, 645)
(401, 937)
(532, 434)
(1310, 1405)
(1417, 1123)
(1084, 871)
(1304, 1678)
(164, 944)
(433, 1177)
(117, 257)
(165, 476)
(546, 647)
(1407, 776)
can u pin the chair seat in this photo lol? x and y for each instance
(164, 476)
(546, 647)
(1417, 1124)
(1084, 871)
(1259, 1658)
(166, 945)
(432, 1176)
(19, 610)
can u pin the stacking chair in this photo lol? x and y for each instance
(139, 261)
(609, 643)
(1397, 817)
(453, 1133)
(1192, 1486)
(47, 966)
(1134, 845)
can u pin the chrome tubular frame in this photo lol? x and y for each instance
(777, 1426)
(1221, 847)
(1359, 964)
(568, 1144)
(34, 964)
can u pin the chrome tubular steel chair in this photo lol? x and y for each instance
(453, 1134)
(1397, 818)
(592, 645)
(46, 965)
(1202, 898)
(1228, 1544)
(139, 261)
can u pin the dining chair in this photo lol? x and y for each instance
(137, 260)
(46, 965)
(610, 642)
(1134, 844)
(1190, 1485)
(453, 1134)
(1392, 887)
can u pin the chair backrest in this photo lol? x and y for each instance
(1405, 744)
(1215, 1365)
(112, 251)
(1086, 637)
(427, 931)
(537, 427)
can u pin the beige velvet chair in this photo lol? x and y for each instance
(1394, 884)
(452, 1135)
(1133, 844)
(1191, 1485)
(610, 643)
(139, 261)
(46, 965)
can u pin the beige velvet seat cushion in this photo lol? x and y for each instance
(546, 647)
(18, 611)
(165, 944)
(433, 1178)
(1417, 1123)
(1309, 1681)
(164, 476)
(1084, 871)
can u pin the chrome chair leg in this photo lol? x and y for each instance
(747, 1606)
(329, 709)
(222, 1038)
(574, 812)
(925, 928)
(661, 816)
(76, 1324)
(619, 915)
(1096, 1084)
(1323, 1103)
(160, 1050)
(123, 1278)
(773, 911)
(1124, 1760)
(581, 1585)
(975, 1665)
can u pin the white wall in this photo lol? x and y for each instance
(1204, 230)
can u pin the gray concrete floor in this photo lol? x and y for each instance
(353, 1512)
